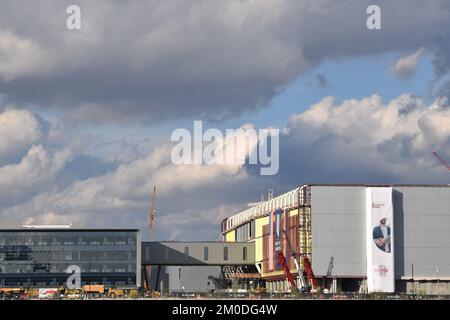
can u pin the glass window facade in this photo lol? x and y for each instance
(246, 232)
(40, 258)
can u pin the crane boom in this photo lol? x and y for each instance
(152, 215)
(303, 284)
(282, 262)
(441, 160)
(151, 220)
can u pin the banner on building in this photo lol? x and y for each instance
(380, 240)
(271, 241)
(278, 230)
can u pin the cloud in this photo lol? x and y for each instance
(126, 191)
(19, 129)
(405, 67)
(19, 57)
(367, 141)
(353, 141)
(159, 60)
(31, 155)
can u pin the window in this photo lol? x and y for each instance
(244, 254)
(205, 253)
(225, 253)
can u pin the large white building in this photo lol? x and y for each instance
(340, 228)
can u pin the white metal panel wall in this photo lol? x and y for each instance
(422, 226)
(338, 230)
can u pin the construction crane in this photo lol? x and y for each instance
(309, 272)
(152, 215)
(441, 160)
(303, 284)
(282, 262)
(148, 269)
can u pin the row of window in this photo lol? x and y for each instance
(61, 268)
(245, 232)
(67, 238)
(225, 253)
(206, 253)
(55, 282)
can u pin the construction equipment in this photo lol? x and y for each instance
(152, 215)
(148, 269)
(305, 270)
(303, 285)
(282, 262)
(441, 160)
(329, 271)
(309, 272)
(115, 293)
(94, 290)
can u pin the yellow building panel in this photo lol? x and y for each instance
(259, 223)
(259, 249)
(230, 236)
(293, 212)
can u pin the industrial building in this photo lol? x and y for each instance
(39, 257)
(349, 238)
(359, 238)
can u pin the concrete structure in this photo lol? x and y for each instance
(173, 253)
(328, 224)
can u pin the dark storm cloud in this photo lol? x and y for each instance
(156, 60)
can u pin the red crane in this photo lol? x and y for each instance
(287, 272)
(306, 266)
(309, 271)
(441, 160)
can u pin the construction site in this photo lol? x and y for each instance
(317, 240)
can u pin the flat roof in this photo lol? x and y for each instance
(378, 185)
(67, 230)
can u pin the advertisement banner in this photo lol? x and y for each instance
(278, 230)
(380, 240)
(278, 235)
(287, 250)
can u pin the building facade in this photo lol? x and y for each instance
(41, 257)
(338, 227)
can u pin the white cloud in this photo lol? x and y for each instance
(20, 56)
(354, 141)
(19, 129)
(32, 155)
(356, 137)
(405, 67)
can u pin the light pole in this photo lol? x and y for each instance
(412, 277)
(437, 272)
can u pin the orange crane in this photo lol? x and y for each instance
(441, 160)
(283, 263)
(148, 269)
(152, 215)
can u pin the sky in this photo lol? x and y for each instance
(86, 115)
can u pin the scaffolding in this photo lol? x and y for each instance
(304, 221)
